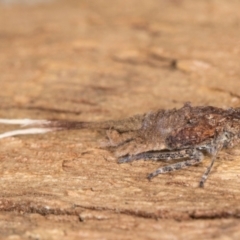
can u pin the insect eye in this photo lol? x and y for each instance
(209, 116)
(191, 121)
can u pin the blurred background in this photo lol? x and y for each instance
(24, 1)
(90, 57)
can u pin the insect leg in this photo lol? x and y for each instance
(218, 145)
(158, 155)
(214, 152)
(205, 175)
(196, 158)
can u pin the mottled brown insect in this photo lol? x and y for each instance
(184, 133)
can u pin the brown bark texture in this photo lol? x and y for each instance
(98, 60)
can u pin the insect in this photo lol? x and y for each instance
(185, 133)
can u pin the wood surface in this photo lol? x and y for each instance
(98, 60)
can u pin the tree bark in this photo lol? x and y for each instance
(100, 60)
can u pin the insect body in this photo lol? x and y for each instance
(184, 133)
